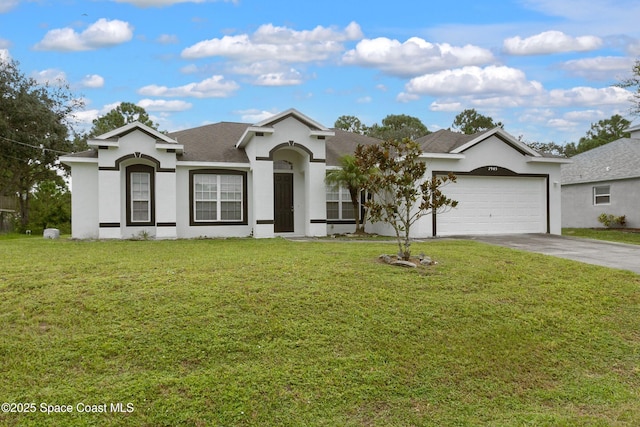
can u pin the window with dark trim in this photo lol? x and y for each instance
(140, 195)
(339, 206)
(602, 195)
(217, 197)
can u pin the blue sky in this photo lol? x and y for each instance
(545, 68)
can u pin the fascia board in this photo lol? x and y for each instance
(213, 165)
(557, 160)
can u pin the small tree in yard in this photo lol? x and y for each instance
(402, 195)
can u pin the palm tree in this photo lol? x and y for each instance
(353, 179)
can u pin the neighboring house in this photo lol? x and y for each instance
(605, 179)
(267, 179)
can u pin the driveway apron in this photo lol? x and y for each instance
(597, 252)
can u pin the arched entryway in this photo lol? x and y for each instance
(288, 190)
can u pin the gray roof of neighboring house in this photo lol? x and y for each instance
(619, 159)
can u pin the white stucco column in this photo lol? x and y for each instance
(316, 215)
(109, 204)
(166, 205)
(263, 218)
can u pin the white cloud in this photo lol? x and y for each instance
(608, 68)
(255, 116)
(584, 115)
(213, 87)
(5, 56)
(93, 81)
(446, 106)
(415, 56)
(280, 44)
(102, 33)
(7, 5)
(50, 76)
(589, 96)
(634, 48)
(289, 78)
(550, 42)
(167, 39)
(364, 100)
(562, 124)
(86, 117)
(164, 105)
(490, 81)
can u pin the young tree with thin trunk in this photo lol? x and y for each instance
(402, 193)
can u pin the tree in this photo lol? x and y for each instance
(351, 124)
(601, 133)
(354, 179)
(633, 82)
(34, 130)
(397, 127)
(470, 122)
(51, 206)
(123, 114)
(402, 195)
(548, 147)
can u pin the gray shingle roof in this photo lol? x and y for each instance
(444, 141)
(89, 154)
(345, 143)
(216, 143)
(619, 159)
(212, 143)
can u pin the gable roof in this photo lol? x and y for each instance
(266, 126)
(619, 159)
(446, 141)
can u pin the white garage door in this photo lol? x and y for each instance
(494, 205)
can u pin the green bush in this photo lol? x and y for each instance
(609, 220)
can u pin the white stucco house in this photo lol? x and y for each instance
(605, 179)
(267, 179)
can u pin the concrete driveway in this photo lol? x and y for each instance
(607, 254)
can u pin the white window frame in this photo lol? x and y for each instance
(221, 196)
(136, 198)
(606, 193)
(343, 198)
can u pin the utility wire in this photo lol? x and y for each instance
(34, 146)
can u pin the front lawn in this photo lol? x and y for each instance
(245, 332)
(620, 235)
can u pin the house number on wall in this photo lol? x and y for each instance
(492, 168)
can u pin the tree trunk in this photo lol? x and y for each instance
(356, 208)
(24, 210)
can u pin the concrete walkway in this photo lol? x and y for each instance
(597, 252)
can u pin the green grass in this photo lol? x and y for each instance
(612, 235)
(244, 332)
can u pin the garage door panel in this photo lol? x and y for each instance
(494, 205)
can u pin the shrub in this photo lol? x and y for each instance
(609, 220)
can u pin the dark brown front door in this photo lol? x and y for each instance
(283, 202)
